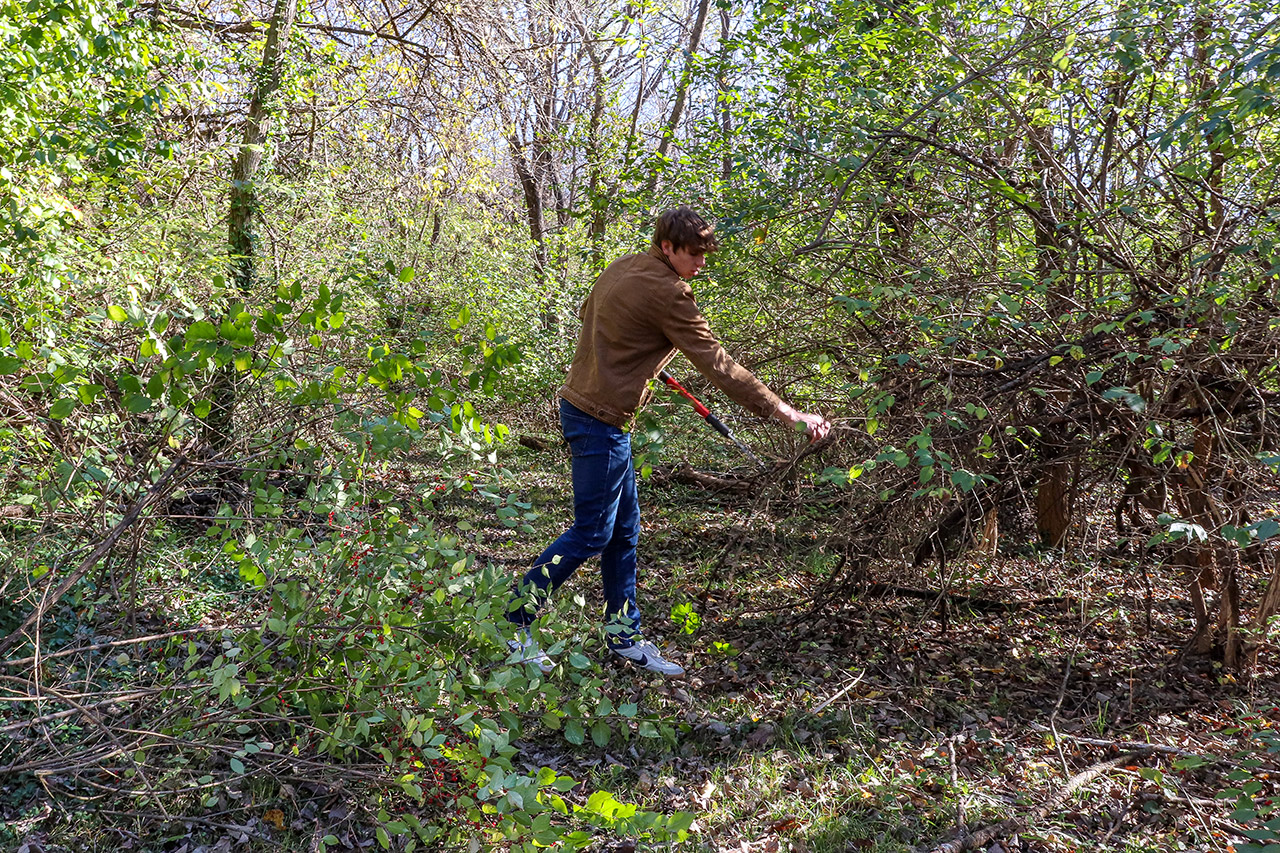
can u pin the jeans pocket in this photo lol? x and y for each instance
(578, 421)
(593, 438)
(585, 433)
(588, 439)
(577, 431)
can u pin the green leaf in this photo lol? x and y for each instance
(137, 403)
(9, 364)
(680, 821)
(62, 408)
(575, 733)
(202, 331)
(237, 766)
(600, 733)
(406, 274)
(1238, 535)
(116, 313)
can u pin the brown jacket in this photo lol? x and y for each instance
(638, 314)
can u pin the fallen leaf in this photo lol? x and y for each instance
(761, 736)
(786, 824)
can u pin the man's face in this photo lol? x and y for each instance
(686, 263)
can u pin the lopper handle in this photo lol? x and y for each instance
(718, 425)
(697, 404)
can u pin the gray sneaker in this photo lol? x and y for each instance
(646, 654)
(526, 650)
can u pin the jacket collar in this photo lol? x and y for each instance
(656, 252)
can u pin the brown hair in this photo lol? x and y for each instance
(685, 229)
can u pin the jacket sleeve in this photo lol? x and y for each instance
(688, 331)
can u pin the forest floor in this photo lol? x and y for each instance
(884, 722)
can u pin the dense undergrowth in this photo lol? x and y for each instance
(339, 699)
(271, 678)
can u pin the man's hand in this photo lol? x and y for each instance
(816, 426)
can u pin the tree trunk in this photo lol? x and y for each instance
(1220, 630)
(595, 157)
(726, 112)
(1197, 557)
(1053, 510)
(1268, 607)
(1054, 490)
(534, 213)
(682, 91)
(241, 238)
(1114, 103)
(257, 125)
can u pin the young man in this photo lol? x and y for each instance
(639, 313)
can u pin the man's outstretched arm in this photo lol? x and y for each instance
(688, 330)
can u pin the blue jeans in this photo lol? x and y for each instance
(606, 521)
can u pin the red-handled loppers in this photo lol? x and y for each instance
(709, 417)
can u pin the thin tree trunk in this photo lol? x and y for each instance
(726, 112)
(257, 126)
(242, 240)
(682, 91)
(534, 214)
(1197, 557)
(1268, 607)
(1112, 106)
(1222, 629)
(634, 123)
(595, 157)
(1053, 492)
